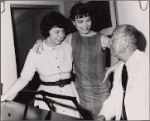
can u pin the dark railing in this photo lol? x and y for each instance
(44, 94)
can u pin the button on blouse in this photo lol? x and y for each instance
(55, 62)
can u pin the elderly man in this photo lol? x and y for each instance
(129, 98)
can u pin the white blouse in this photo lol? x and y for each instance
(53, 64)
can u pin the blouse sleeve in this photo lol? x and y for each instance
(29, 66)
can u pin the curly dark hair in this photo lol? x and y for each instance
(79, 10)
(53, 19)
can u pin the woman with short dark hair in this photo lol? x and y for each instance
(54, 66)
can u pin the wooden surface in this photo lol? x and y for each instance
(15, 111)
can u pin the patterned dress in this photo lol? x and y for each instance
(89, 66)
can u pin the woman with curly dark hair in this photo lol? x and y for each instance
(53, 65)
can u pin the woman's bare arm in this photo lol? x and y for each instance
(38, 46)
(105, 41)
(18, 85)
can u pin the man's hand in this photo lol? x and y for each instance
(100, 118)
(108, 72)
(38, 46)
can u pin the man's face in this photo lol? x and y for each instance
(115, 44)
(83, 25)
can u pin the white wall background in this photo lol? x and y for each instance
(8, 59)
(129, 12)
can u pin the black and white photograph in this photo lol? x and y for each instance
(75, 60)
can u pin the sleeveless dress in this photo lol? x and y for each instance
(89, 67)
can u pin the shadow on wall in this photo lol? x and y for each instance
(100, 11)
(142, 42)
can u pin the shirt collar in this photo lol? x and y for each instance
(133, 58)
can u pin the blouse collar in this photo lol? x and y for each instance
(48, 48)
